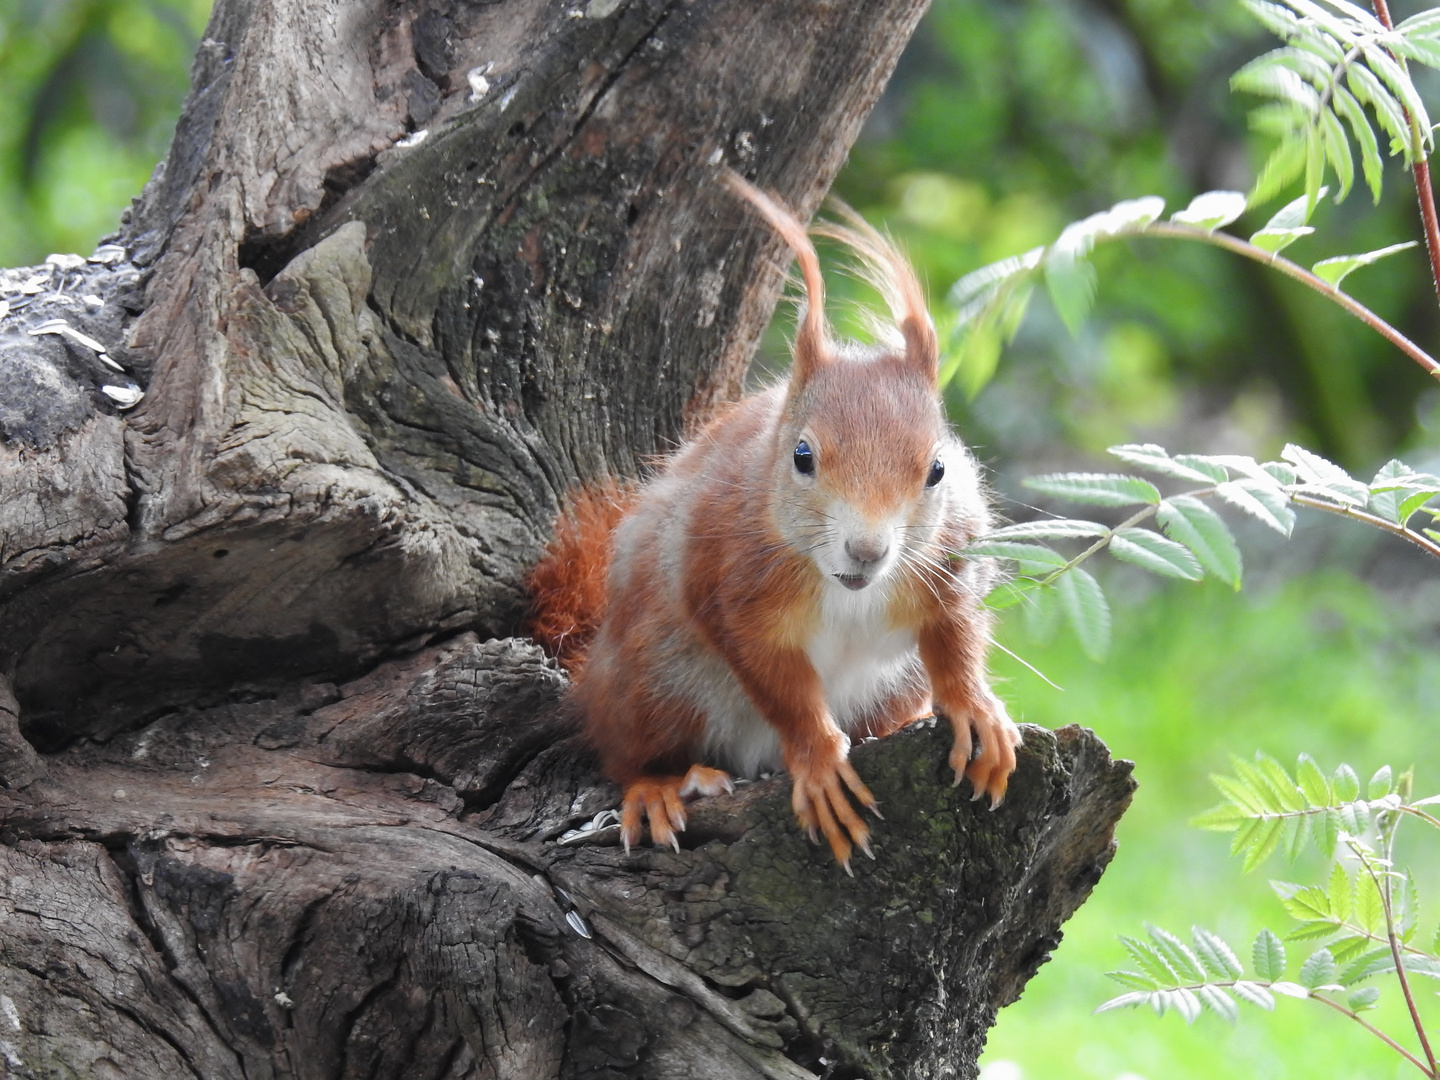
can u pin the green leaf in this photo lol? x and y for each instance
(1380, 785)
(1261, 501)
(1333, 271)
(1316, 471)
(1308, 931)
(973, 291)
(1008, 594)
(1242, 794)
(1312, 781)
(1396, 79)
(1151, 551)
(1204, 465)
(1294, 213)
(1363, 998)
(1223, 818)
(1303, 902)
(1278, 471)
(1255, 782)
(1177, 954)
(1297, 831)
(1346, 784)
(1009, 549)
(1337, 151)
(1354, 817)
(1125, 1001)
(1219, 1002)
(1318, 970)
(1314, 166)
(1051, 529)
(1281, 782)
(1267, 957)
(1085, 607)
(1428, 966)
(1284, 164)
(1192, 523)
(1277, 240)
(1346, 949)
(1219, 959)
(1184, 1001)
(1265, 840)
(1371, 163)
(1103, 489)
(1327, 833)
(1150, 961)
(1397, 491)
(1373, 962)
(1340, 892)
(1426, 23)
(1255, 995)
(1211, 210)
(1424, 49)
(1368, 89)
(1290, 989)
(1369, 907)
(1071, 283)
(1245, 835)
(1268, 76)
(1156, 459)
(1409, 909)
(1132, 979)
(1411, 503)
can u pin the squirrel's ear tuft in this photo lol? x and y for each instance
(812, 338)
(892, 276)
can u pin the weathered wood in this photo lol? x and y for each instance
(410, 271)
(364, 880)
(374, 368)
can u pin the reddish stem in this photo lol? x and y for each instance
(1423, 189)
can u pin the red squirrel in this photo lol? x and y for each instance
(786, 582)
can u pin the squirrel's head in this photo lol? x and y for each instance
(865, 469)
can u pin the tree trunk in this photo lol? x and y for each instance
(301, 806)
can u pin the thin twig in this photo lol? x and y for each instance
(1300, 274)
(1394, 940)
(1423, 542)
(1104, 541)
(1386, 1039)
(1423, 189)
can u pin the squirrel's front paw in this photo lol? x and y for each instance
(820, 801)
(660, 801)
(990, 769)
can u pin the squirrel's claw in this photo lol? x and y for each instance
(659, 801)
(821, 799)
(984, 750)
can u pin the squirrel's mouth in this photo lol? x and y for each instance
(853, 581)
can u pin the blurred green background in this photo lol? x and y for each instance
(1006, 120)
(94, 87)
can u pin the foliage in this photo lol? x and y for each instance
(1196, 539)
(1005, 121)
(1367, 913)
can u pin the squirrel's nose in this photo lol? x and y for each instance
(867, 549)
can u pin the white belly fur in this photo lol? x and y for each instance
(860, 658)
(861, 661)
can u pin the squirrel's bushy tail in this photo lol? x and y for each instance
(567, 586)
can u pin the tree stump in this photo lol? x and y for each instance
(281, 793)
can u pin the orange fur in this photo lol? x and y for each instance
(721, 607)
(567, 586)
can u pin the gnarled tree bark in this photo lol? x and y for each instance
(282, 795)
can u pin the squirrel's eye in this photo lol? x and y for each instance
(804, 459)
(937, 470)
